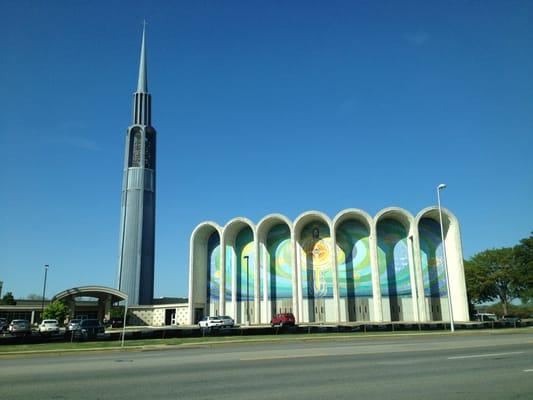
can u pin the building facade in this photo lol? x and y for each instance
(347, 269)
(137, 224)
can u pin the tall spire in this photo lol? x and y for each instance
(142, 101)
(142, 85)
(137, 221)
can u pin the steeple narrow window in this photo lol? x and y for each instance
(149, 150)
(136, 147)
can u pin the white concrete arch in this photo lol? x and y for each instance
(454, 252)
(313, 309)
(229, 236)
(449, 220)
(396, 308)
(397, 213)
(309, 216)
(348, 307)
(263, 229)
(197, 267)
(353, 213)
(234, 226)
(269, 222)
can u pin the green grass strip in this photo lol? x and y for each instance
(148, 344)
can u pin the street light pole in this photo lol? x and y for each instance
(46, 266)
(439, 188)
(247, 258)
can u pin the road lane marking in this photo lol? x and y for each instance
(485, 355)
(284, 357)
(528, 370)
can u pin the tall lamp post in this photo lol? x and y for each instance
(247, 258)
(46, 266)
(439, 188)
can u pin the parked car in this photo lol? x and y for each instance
(4, 325)
(116, 322)
(283, 319)
(211, 322)
(49, 326)
(484, 317)
(228, 322)
(73, 325)
(512, 318)
(19, 327)
(90, 328)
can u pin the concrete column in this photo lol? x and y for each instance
(412, 276)
(32, 317)
(101, 309)
(376, 289)
(336, 297)
(456, 273)
(299, 314)
(234, 285)
(191, 282)
(107, 307)
(422, 312)
(71, 303)
(257, 298)
(265, 259)
(222, 289)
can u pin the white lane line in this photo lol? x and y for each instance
(485, 355)
(528, 370)
(283, 357)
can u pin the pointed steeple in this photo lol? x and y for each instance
(142, 101)
(142, 85)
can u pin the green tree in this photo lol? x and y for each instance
(117, 312)
(8, 299)
(56, 310)
(524, 260)
(493, 275)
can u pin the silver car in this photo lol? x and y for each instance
(20, 327)
(227, 322)
(73, 325)
(210, 322)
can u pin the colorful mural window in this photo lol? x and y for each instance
(279, 263)
(245, 265)
(432, 258)
(213, 267)
(317, 268)
(229, 274)
(393, 259)
(353, 260)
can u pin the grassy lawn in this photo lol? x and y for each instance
(139, 344)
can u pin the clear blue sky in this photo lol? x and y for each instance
(260, 107)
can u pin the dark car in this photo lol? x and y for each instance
(284, 319)
(116, 322)
(513, 319)
(90, 328)
(3, 324)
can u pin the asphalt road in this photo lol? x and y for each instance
(426, 367)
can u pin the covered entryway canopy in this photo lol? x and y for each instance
(106, 297)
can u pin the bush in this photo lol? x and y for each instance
(56, 310)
